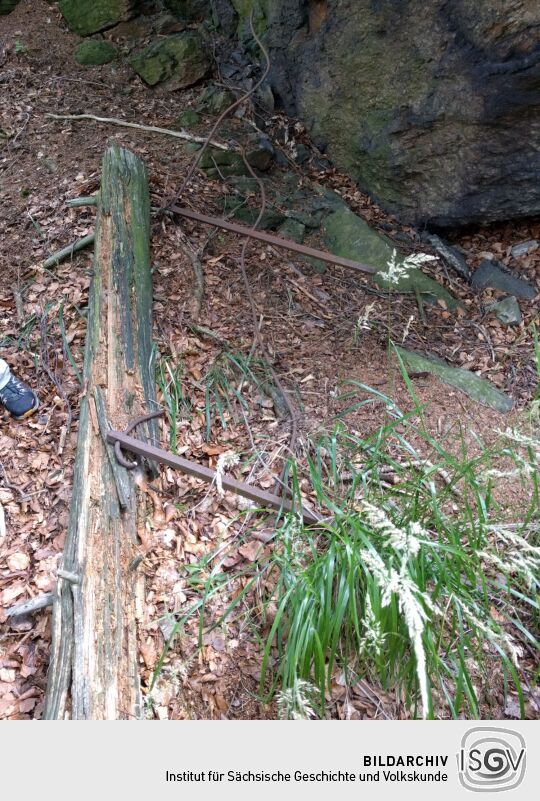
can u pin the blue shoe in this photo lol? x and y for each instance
(18, 398)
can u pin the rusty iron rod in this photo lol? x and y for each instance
(260, 497)
(271, 239)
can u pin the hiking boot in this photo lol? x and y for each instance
(18, 398)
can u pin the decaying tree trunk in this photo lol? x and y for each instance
(93, 672)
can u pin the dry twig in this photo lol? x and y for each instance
(140, 127)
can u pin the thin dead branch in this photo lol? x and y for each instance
(65, 253)
(150, 128)
(198, 274)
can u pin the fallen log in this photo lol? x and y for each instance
(93, 671)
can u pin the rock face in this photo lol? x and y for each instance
(433, 107)
(176, 61)
(90, 16)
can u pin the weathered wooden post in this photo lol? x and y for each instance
(93, 672)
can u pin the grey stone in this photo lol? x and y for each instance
(523, 248)
(302, 154)
(270, 220)
(167, 23)
(451, 255)
(214, 99)
(507, 311)
(225, 163)
(492, 274)
(193, 10)
(479, 389)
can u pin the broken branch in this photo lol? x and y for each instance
(150, 128)
(65, 253)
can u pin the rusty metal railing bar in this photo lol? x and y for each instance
(271, 239)
(258, 496)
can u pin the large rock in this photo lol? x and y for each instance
(90, 16)
(433, 107)
(177, 61)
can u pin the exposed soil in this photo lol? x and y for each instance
(308, 321)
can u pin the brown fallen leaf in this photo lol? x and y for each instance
(149, 653)
(251, 550)
(18, 561)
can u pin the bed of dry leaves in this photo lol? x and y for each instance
(307, 320)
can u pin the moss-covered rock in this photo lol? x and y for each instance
(226, 163)
(177, 61)
(90, 16)
(94, 52)
(235, 207)
(188, 118)
(479, 389)
(6, 6)
(293, 230)
(347, 235)
(215, 99)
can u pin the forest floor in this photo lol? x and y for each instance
(308, 321)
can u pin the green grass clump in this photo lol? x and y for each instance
(229, 374)
(418, 579)
(414, 583)
(169, 379)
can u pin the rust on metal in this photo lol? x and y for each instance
(121, 439)
(271, 239)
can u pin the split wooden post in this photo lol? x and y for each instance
(93, 672)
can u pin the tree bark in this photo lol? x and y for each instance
(93, 672)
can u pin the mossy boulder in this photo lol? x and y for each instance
(347, 235)
(479, 389)
(6, 6)
(93, 53)
(176, 62)
(235, 206)
(91, 16)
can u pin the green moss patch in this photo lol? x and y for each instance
(94, 53)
